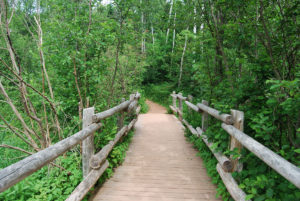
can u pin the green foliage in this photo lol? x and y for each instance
(159, 93)
(242, 56)
(49, 183)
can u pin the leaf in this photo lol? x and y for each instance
(297, 151)
(270, 192)
(248, 197)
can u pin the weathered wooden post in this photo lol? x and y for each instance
(204, 117)
(174, 99)
(180, 107)
(238, 117)
(121, 116)
(190, 99)
(88, 143)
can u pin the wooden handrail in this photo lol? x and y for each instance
(83, 188)
(98, 159)
(22, 169)
(273, 160)
(232, 186)
(102, 115)
(225, 163)
(226, 118)
(279, 164)
(94, 169)
(192, 106)
(129, 105)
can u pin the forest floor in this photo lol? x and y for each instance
(160, 164)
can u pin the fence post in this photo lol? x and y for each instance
(238, 117)
(190, 99)
(174, 100)
(204, 117)
(88, 143)
(180, 107)
(121, 115)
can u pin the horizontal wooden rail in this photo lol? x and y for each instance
(97, 160)
(173, 109)
(238, 139)
(92, 167)
(128, 105)
(83, 188)
(225, 163)
(226, 118)
(174, 95)
(102, 115)
(179, 96)
(190, 127)
(192, 106)
(279, 164)
(223, 160)
(20, 170)
(233, 188)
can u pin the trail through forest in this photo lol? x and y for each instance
(160, 164)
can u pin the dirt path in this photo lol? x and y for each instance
(160, 165)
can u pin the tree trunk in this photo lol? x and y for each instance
(174, 33)
(170, 13)
(181, 62)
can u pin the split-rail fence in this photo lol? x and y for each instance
(93, 165)
(233, 124)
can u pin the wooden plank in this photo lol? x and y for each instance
(236, 193)
(279, 164)
(158, 151)
(20, 170)
(88, 143)
(226, 118)
(226, 163)
(83, 188)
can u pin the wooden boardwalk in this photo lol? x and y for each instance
(160, 165)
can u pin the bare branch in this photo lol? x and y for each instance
(15, 132)
(18, 115)
(11, 15)
(31, 87)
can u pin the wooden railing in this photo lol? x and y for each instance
(93, 165)
(233, 124)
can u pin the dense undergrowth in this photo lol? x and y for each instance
(258, 181)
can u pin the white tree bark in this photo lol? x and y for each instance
(142, 24)
(152, 32)
(170, 13)
(194, 29)
(174, 33)
(181, 61)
